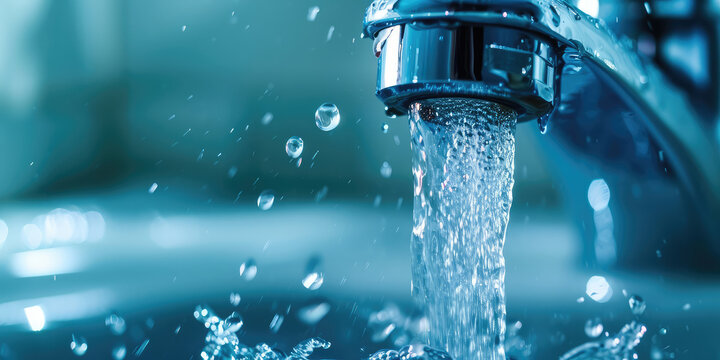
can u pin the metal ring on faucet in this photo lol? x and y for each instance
(420, 60)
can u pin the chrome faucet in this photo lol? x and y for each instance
(544, 58)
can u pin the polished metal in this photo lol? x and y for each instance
(459, 60)
(470, 48)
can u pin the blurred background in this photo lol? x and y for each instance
(136, 137)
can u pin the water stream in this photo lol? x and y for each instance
(463, 161)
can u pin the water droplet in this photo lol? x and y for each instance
(235, 298)
(248, 269)
(206, 316)
(312, 314)
(265, 200)
(152, 188)
(313, 13)
(330, 33)
(598, 194)
(321, 194)
(115, 323)
(686, 307)
(294, 147)
(648, 9)
(276, 323)
(231, 324)
(385, 169)
(78, 345)
(384, 128)
(580, 300)
(542, 122)
(183, 28)
(232, 171)
(663, 331)
(327, 117)
(593, 327)
(637, 305)
(555, 16)
(377, 201)
(314, 278)
(119, 352)
(598, 289)
(267, 118)
(574, 12)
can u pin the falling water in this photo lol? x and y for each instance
(463, 161)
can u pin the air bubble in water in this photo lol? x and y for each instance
(598, 289)
(248, 269)
(78, 345)
(637, 305)
(384, 128)
(119, 352)
(115, 323)
(385, 169)
(294, 147)
(327, 117)
(593, 327)
(265, 200)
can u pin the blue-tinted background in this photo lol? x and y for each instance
(100, 100)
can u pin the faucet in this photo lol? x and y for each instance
(544, 59)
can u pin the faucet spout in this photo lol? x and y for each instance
(514, 52)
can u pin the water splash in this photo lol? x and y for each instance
(618, 347)
(222, 342)
(463, 161)
(411, 353)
